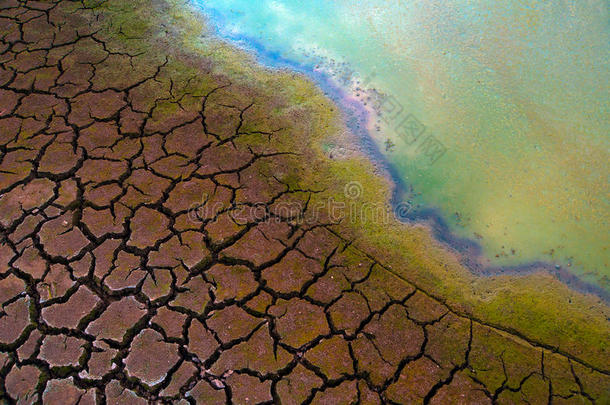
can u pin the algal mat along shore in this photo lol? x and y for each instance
(488, 117)
(173, 230)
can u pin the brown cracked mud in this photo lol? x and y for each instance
(144, 258)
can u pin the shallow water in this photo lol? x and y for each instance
(497, 113)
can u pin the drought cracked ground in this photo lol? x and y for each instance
(147, 255)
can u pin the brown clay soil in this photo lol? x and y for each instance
(119, 286)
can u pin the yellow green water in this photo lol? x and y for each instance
(516, 92)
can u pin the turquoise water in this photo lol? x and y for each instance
(496, 113)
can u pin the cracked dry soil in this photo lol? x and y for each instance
(113, 290)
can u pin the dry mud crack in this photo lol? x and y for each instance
(130, 271)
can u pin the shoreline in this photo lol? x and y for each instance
(358, 119)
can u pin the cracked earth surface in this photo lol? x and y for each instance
(144, 258)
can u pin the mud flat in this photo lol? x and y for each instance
(161, 242)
